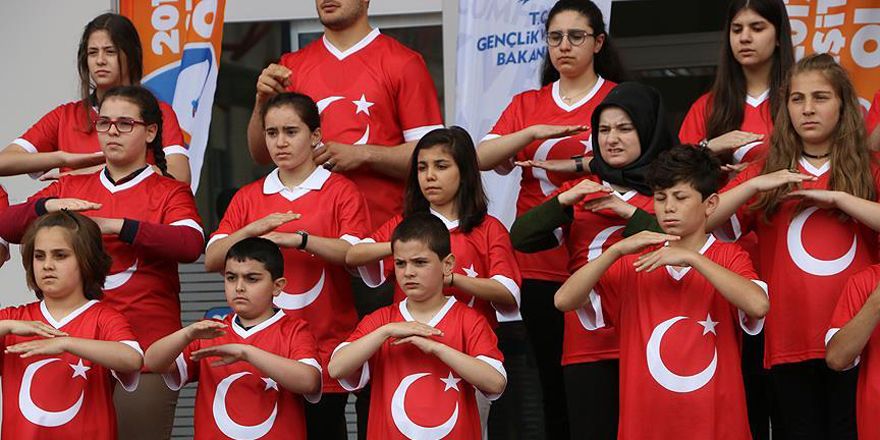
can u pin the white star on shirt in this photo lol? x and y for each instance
(470, 272)
(270, 383)
(363, 105)
(708, 325)
(588, 145)
(79, 369)
(451, 382)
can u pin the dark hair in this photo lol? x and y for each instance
(85, 240)
(470, 201)
(261, 250)
(124, 36)
(728, 93)
(686, 163)
(304, 106)
(151, 113)
(426, 228)
(606, 63)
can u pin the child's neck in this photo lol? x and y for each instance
(62, 306)
(758, 78)
(290, 178)
(118, 171)
(261, 318)
(448, 210)
(693, 241)
(425, 310)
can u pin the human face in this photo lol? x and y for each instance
(814, 107)
(573, 61)
(438, 175)
(340, 14)
(419, 270)
(681, 209)
(618, 139)
(752, 39)
(107, 65)
(125, 149)
(289, 139)
(56, 269)
(249, 288)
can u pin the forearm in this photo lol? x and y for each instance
(366, 253)
(864, 211)
(728, 203)
(256, 138)
(848, 343)
(497, 153)
(178, 167)
(390, 161)
(291, 374)
(353, 356)
(744, 294)
(162, 355)
(533, 231)
(215, 254)
(20, 162)
(575, 292)
(180, 243)
(474, 371)
(109, 354)
(16, 218)
(332, 250)
(484, 288)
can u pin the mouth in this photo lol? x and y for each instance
(670, 222)
(410, 286)
(746, 52)
(329, 6)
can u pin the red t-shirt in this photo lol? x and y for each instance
(378, 92)
(854, 296)
(317, 291)
(63, 396)
(806, 257)
(416, 395)
(237, 400)
(679, 349)
(143, 286)
(872, 120)
(62, 130)
(588, 337)
(485, 252)
(756, 119)
(545, 106)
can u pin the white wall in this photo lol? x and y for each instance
(38, 42)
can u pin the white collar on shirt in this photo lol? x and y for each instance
(147, 172)
(450, 301)
(450, 224)
(756, 101)
(70, 316)
(315, 181)
(340, 55)
(557, 97)
(239, 330)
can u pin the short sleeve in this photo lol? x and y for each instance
(114, 327)
(186, 370)
(693, 128)
(510, 121)
(482, 344)
(743, 220)
(375, 274)
(42, 137)
(180, 209)
(172, 136)
(417, 104)
(367, 325)
(855, 294)
(303, 349)
(610, 286)
(353, 218)
(740, 263)
(235, 217)
(502, 263)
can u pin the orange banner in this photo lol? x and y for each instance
(847, 29)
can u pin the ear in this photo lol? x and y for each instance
(448, 264)
(316, 137)
(600, 41)
(278, 286)
(711, 204)
(152, 129)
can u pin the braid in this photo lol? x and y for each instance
(159, 153)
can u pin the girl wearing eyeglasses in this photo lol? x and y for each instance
(109, 55)
(580, 69)
(149, 224)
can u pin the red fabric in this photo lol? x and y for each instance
(756, 119)
(485, 252)
(336, 210)
(385, 73)
(169, 242)
(801, 302)
(251, 399)
(54, 386)
(544, 107)
(872, 120)
(653, 399)
(854, 296)
(427, 402)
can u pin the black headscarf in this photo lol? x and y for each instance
(644, 105)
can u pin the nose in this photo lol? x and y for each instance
(745, 36)
(114, 130)
(239, 285)
(408, 271)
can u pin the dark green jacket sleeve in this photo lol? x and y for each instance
(641, 221)
(533, 231)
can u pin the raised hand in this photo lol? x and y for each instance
(228, 354)
(206, 329)
(552, 165)
(273, 80)
(29, 328)
(270, 222)
(767, 182)
(338, 157)
(400, 330)
(665, 256)
(733, 139)
(582, 189)
(36, 347)
(615, 204)
(822, 198)
(637, 242)
(55, 205)
(542, 131)
(426, 345)
(81, 160)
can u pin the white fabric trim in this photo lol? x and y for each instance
(350, 239)
(340, 55)
(257, 328)
(678, 275)
(758, 100)
(812, 169)
(508, 311)
(363, 379)
(489, 137)
(830, 334)
(622, 196)
(316, 180)
(450, 301)
(147, 172)
(25, 144)
(450, 224)
(175, 149)
(312, 362)
(373, 274)
(749, 325)
(498, 366)
(176, 380)
(190, 223)
(65, 320)
(557, 97)
(214, 238)
(5, 244)
(415, 134)
(129, 381)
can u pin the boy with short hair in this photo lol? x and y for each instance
(680, 362)
(251, 366)
(427, 354)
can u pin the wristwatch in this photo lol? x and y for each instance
(578, 163)
(305, 239)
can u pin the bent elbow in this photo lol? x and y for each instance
(835, 362)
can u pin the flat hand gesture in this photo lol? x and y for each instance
(426, 345)
(733, 139)
(767, 182)
(614, 204)
(31, 328)
(270, 222)
(36, 347)
(665, 256)
(273, 80)
(542, 131)
(553, 165)
(228, 354)
(582, 189)
(400, 330)
(55, 205)
(637, 242)
(822, 198)
(206, 329)
(284, 239)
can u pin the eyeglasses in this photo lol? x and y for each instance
(123, 125)
(575, 37)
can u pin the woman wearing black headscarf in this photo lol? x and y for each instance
(629, 132)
